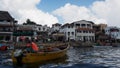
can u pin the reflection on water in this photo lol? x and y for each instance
(80, 58)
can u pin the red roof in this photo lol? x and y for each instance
(85, 29)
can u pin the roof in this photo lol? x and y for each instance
(4, 15)
(56, 24)
(25, 27)
(67, 24)
(85, 21)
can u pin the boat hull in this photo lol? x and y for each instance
(42, 56)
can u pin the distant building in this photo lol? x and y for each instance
(25, 31)
(7, 24)
(79, 30)
(113, 32)
(69, 31)
(99, 32)
(99, 27)
(31, 31)
(56, 27)
(102, 26)
(42, 31)
(84, 30)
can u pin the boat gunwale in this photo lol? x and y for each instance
(52, 51)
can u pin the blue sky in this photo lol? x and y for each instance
(51, 5)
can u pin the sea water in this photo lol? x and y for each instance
(76, 57)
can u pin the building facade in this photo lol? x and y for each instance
(25, 31)
(6, 26)
(84, 30)
(79, 30)
(69, 31)
(113, 32)
(56, 27)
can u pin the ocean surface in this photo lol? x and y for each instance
(76, 57)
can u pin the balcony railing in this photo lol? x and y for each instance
(6, 30)
(6, 23)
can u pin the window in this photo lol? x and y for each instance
(83, 25)
(43, 29)
(78, 25)
(89, 25)
(80, 31)
(68, 26)
(39, 28)
(68, 33)
(72, 33)
(84, 31)
(71, 26)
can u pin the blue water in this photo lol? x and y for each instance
(76, 58)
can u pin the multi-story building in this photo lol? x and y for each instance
(99, 32)
(84, 30)
(56, 27)
(69, 31)
(113, 32)
(42, 28)
(31, 31)
(42, 31)
(7, 23)
(25, 31)
(79, 30)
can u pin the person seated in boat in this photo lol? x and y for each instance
(31, 46)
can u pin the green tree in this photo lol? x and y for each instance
(28, 21)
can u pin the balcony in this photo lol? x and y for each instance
(6, 24)
(5, 32)
(6, 29)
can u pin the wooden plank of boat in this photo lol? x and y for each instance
(42, 56)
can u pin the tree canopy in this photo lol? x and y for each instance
(28, 21)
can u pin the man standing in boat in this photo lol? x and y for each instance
(31, 46)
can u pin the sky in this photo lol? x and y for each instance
(48, 12)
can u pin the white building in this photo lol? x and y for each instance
(84, 30)
(114, 32)
(56, 27)
(79, 30)
(69, 31)
(42, 28)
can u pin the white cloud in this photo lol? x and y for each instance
(72, 13)
(107, 11)
(24, 9)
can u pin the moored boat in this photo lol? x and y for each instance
(42, 56)
(102, 46)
